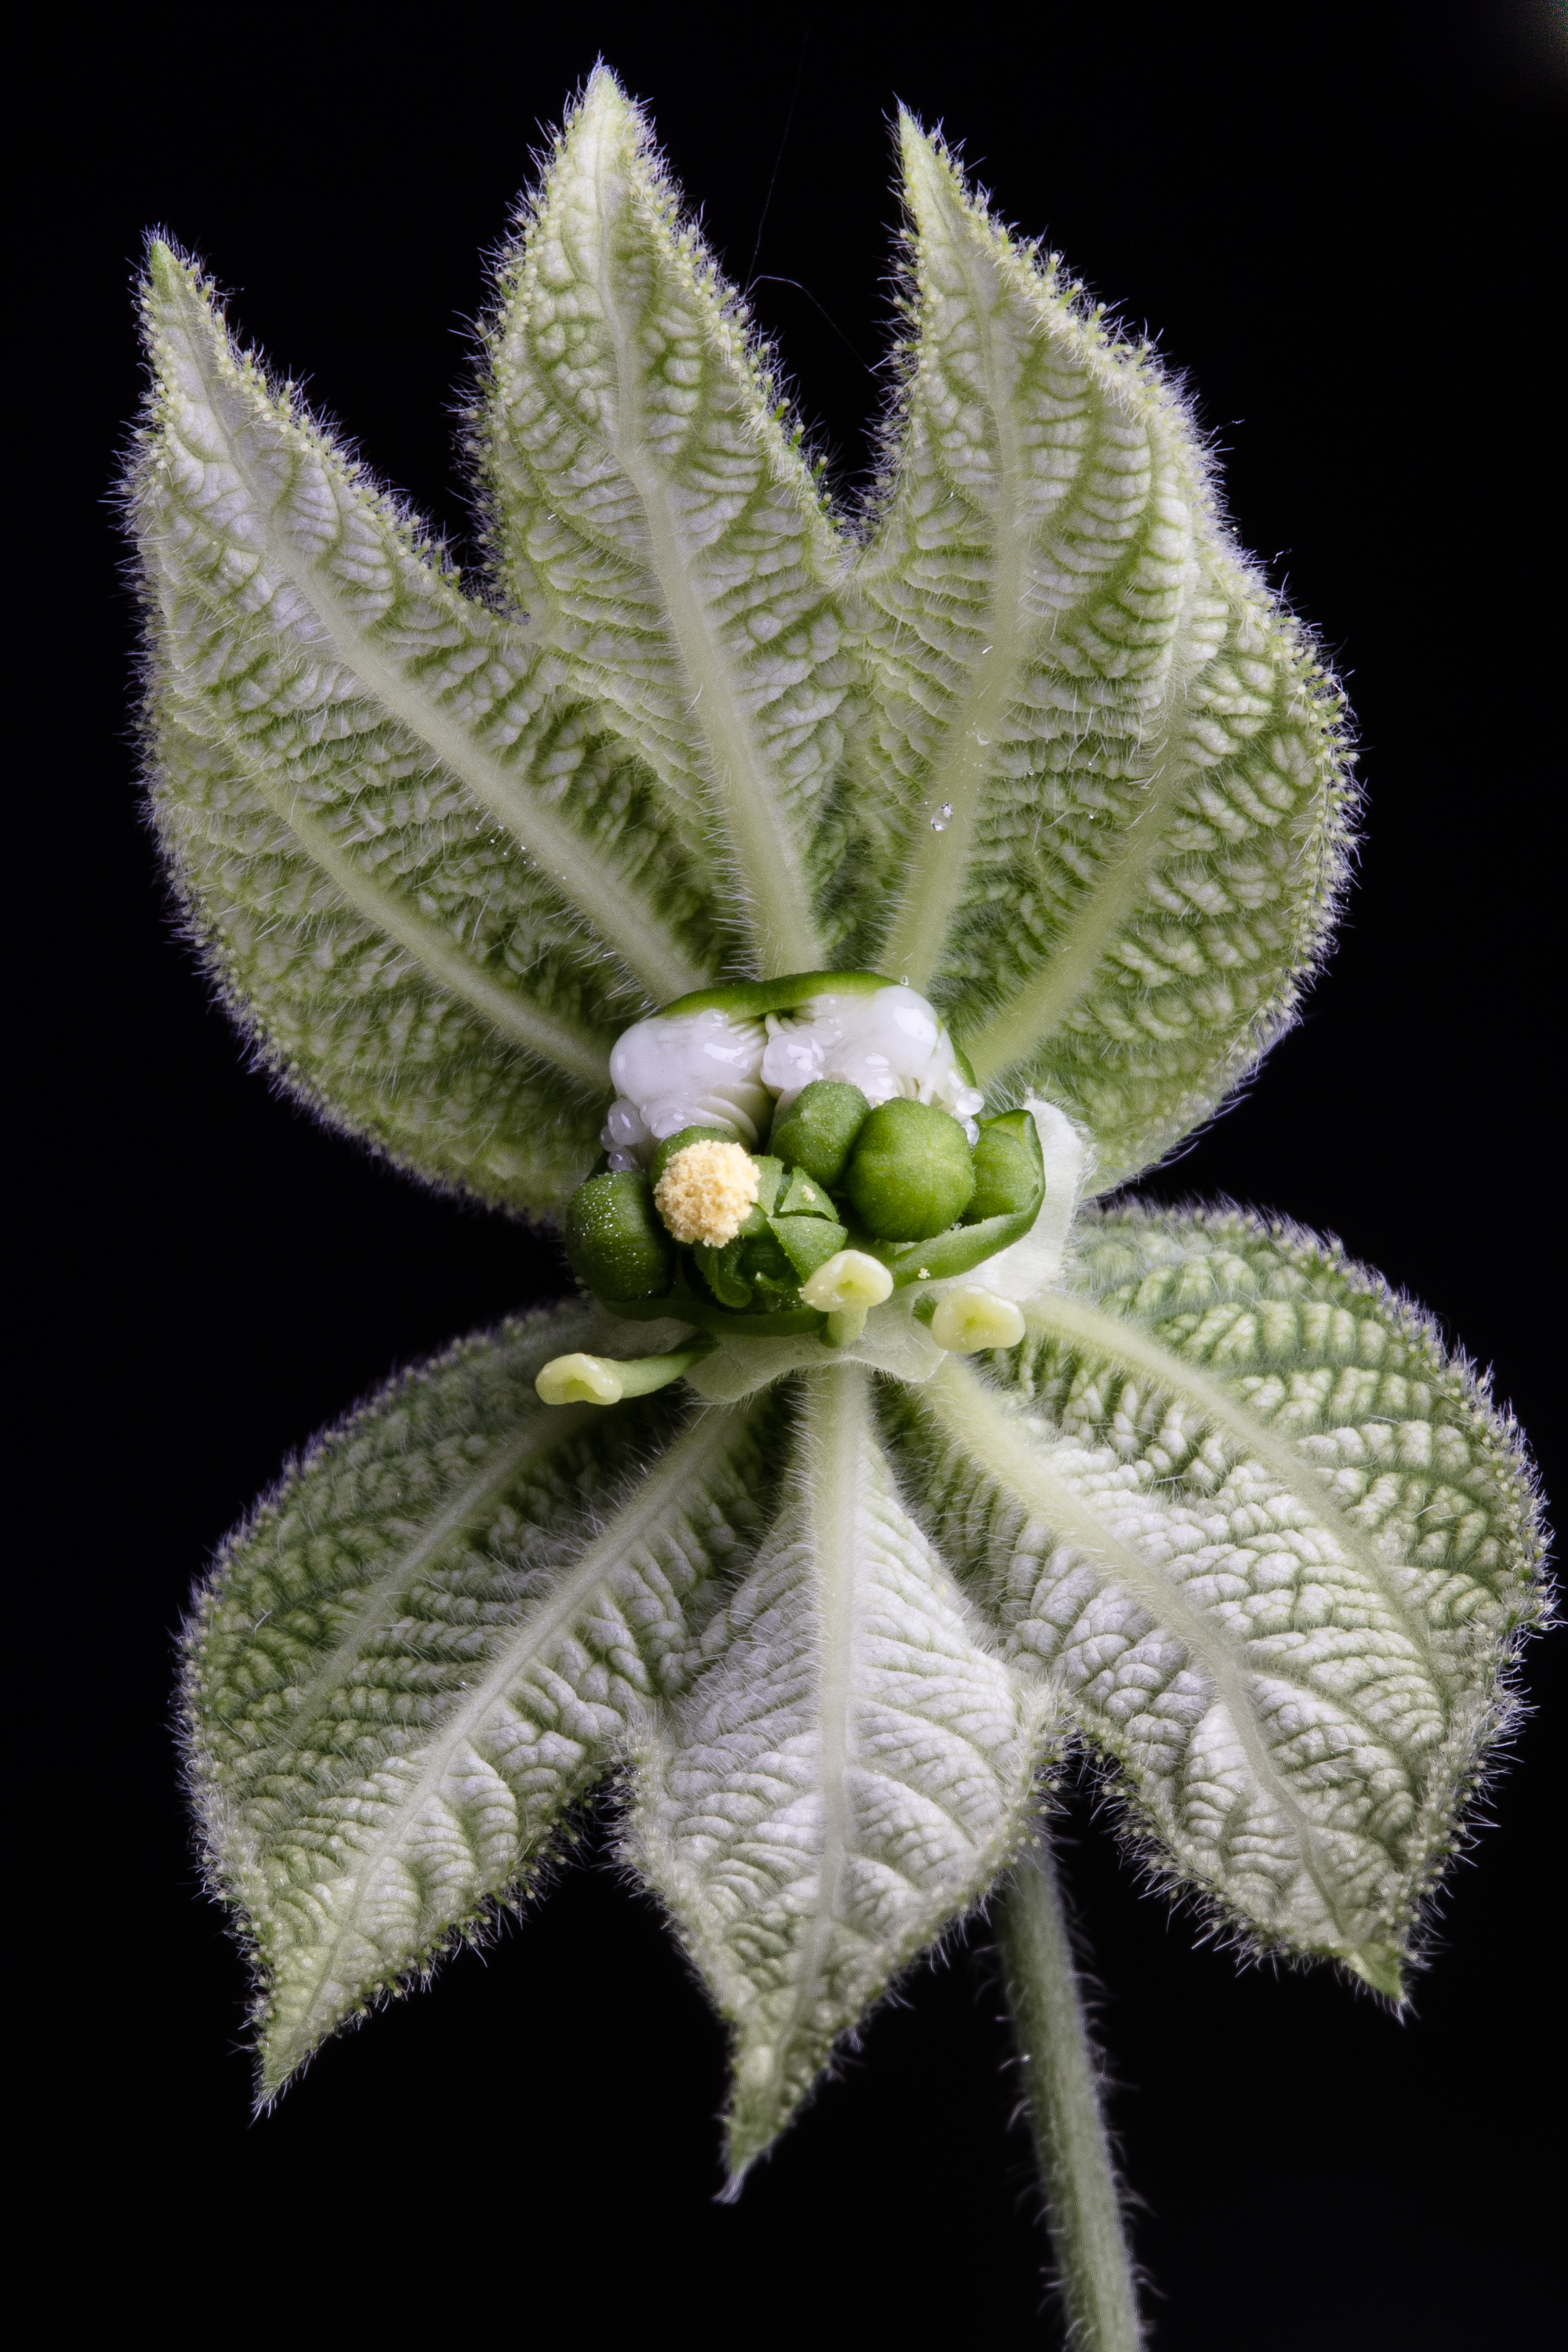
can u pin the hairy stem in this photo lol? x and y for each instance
(1064, 2109)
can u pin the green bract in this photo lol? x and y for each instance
(615, 1238)
(834, 1597)
(1009, 1180)
(817, 1132)
(911, 1174)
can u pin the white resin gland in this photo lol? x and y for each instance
(707, 1192)
(717, 1069)
(890, 1043)
(685, 1070)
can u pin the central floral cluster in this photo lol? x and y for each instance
(785, 1154)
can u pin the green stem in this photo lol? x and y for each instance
(1071, 2142)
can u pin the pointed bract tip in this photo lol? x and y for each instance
(605, 99)
(739, 2156)
(272, 2078)
(914, 140)
(929, 173)
(164, 270)
(1378, 1966)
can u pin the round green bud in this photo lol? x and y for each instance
(912, 1175)
(615, 1239)
(1008, 1174)
(818, 1130)
(666, 1151)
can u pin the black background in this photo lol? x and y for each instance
(1337, 227)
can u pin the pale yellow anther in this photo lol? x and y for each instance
(707, 1192)
(848, 1279)
(967, 1320)
(580, 1379)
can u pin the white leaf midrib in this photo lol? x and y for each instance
(680, 1469)
(938, 863)
(836, 1436)
(642, 944)
(578, 1055)
(544, 1432)
(1136, 1350)
(756, 828)
(833, 1437)
(982, 1425)
(1019, 1030)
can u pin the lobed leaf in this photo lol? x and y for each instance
(442, 1629)
(849, 1770)
(651, 514)
(428, 876)
(1120, 769)
(1270, 1546)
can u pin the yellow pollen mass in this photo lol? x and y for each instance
(707, 1192)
